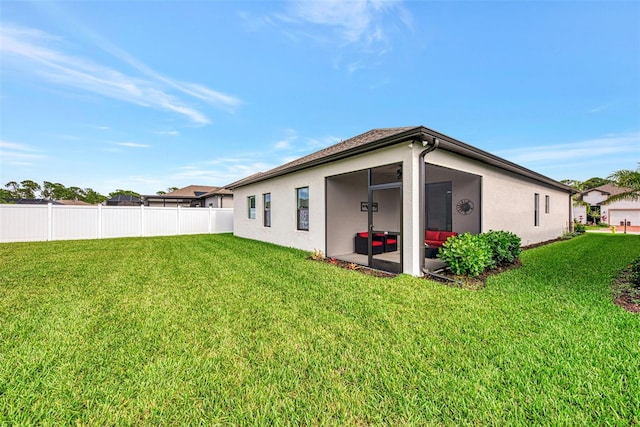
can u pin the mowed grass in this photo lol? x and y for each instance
(214, 329)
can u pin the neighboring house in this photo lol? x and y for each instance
(73, 202)
(193, 196)
(32, 201)
(616, 213)
(402, 182)
(123, 200)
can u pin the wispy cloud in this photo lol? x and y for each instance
(31, 51)
(19, 154)
(289, 138)
(601, 108)
(357, 21)
(616, 145)
(167, 132)
(359, 29)
(131, 145)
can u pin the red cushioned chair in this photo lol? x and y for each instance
(362, 243)
(390, 241)
(435, 238)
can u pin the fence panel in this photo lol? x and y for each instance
(23, 223)
(161, 221)
(121, 221)
(74, 222)
(222, 221)
(194, 221)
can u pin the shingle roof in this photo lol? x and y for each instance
(191, 191)
(343, 147)
(73, 202)
(218, 190)
(609, 189)
(124, 198)
(20, 201)
(379, 138)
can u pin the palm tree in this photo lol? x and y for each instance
(629, 181)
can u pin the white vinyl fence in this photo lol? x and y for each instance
(25, 223)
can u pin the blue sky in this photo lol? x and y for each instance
(146, 95)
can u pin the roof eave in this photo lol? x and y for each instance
(418, 134)
(412, 134)
(459, 147)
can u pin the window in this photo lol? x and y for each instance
(536, 208)
(266, 199)
(251, 204)
(547, 203)
(302, 206)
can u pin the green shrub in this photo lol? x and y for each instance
(578, 227)
(466, 254)
(635, 273)
(505, 247)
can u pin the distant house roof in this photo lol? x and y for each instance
(190, 192)
(32, 201)
(73, 202)
(379, 138)
(124, 200)
(609, 189)
(219, 191)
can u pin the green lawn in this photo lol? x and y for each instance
(214, 329)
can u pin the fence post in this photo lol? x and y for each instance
(141, 220)
(178, 220)
(99, 220)
(209, 227)
(49, 221)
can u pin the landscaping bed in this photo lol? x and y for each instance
(625, 294)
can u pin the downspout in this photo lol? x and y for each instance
(422, 202)
(421, 196)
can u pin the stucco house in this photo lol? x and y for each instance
(396, 183)
(192, 196)
(615, 213)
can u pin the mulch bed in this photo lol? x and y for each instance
(473, 283)
(355, 267)
(624, 294)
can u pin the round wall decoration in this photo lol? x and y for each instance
(464, 207)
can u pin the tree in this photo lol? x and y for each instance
(93, 197)
(595, 182)
(75, 193)
(161, 193)
(629, 181)
(120, 192)
(28, 189)
(4, 195)
(13, 187)
(54, 191)
(573, 183)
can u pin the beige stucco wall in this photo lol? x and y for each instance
(508, 200)
(344, 195)
(507, 203)
(219, 201)
(464, 186)
(283, 203)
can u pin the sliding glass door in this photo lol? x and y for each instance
(385, 218)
